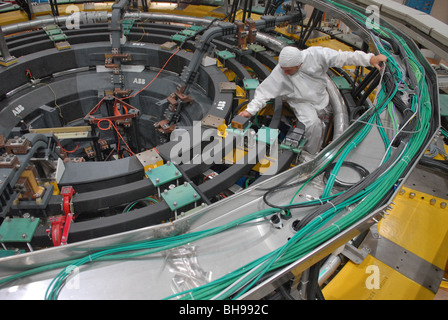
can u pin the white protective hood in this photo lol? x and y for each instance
(308, 85)
(306, 90)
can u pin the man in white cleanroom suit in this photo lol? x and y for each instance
(299, 78)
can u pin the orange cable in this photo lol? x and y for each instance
(131, 96)
(68, 151)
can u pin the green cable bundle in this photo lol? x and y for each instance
(324, 223)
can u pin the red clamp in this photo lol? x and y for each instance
(60, 226)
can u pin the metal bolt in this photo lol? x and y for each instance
(402, 191)
(174, 204)
(432, 202)
(367, 249)
(412, 195)
(195, 195)
(157, 180)
(24, 235)
(443, 205)
(165, 191)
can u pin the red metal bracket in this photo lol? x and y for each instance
(92, 119)
(60, 226)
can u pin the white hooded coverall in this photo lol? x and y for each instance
(305, 91)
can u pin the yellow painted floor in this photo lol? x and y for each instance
(418, 222)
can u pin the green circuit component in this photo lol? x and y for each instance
(250, 84)
(178, 38)
(443, 98)
(127, 26)
(127, 22)
(163, 174)
(285, 40)
(50, 27)
(225, 54)
(267, 135)
(195, 28)
(53, 32)
(187, 32)
(341, 83)
(18, 229)
(238, 132)
(58, 37)
(256, 47)
(180, 196)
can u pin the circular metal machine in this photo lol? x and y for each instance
(122, 126)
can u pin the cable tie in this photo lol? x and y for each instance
(339, 229)
(334, 207)
(406, 161)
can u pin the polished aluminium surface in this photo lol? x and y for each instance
(217, 255)
(241, 244)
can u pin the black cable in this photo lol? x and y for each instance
(287, 207)
(352, 191)
(195, 187)
(323, 205)
(238, 107)
(441, 165)
(313, 291)
(357, 90)
(363, 172)
(372, 86)
(244, 10)
(250, 9)
(235, 6)
(129, 205)
(277, 115)
(316, 18)
(267, 6)
(345, 75)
